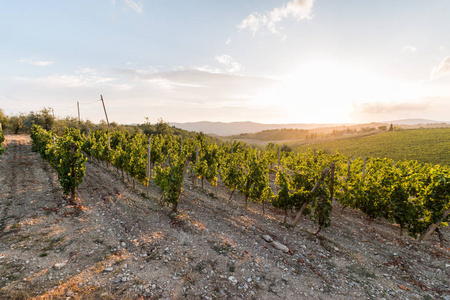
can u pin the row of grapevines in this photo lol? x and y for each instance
(405, 193)
(63, 154)
(411, 194)
(129, 153)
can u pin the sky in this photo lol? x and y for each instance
(267, 61)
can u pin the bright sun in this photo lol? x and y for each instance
(323, 92)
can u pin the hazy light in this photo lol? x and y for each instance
(325, 92)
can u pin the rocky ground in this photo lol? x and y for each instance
(120, 243)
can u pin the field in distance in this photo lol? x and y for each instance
(423, 145)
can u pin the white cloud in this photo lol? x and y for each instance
(135, 5)
(297, 9)
(434, 108)
(37, 63)
(409, 48)
(231, 65)
(228, 41)
(83, 78)
(443, 70)
(87, 71)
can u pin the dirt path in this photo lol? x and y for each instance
(120, 244)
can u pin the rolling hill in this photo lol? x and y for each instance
(423, 145)
(235, 128)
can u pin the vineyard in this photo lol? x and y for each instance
(415, 196)
(116, 235)
(424, 145)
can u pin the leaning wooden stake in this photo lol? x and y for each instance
(316, 186)
(193, 171)
(433, 227)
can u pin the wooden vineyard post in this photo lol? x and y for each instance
(107, 122)
(196, 163)
(433, 227)
(316, 186)
(104, 109)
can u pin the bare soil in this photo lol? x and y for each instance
(120, 243)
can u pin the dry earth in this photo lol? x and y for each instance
(121, 244)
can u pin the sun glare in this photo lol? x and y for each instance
(323, 92)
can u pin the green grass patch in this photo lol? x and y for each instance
(423, 145)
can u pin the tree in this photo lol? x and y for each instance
(162, 127)
(286, 148)
(17, 123)
(43, 118)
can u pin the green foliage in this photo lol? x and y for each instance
(208, 165)
(408, 193)
(169, 177)
(283, 199)
(64, 155)
(17, 123)
(70, 159)
(423, 145)
(43, 118)
(232, 171)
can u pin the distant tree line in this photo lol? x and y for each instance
(21, 123)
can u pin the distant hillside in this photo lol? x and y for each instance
(423, 145)
(272, 135)
(414, 122)
(235, 128)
